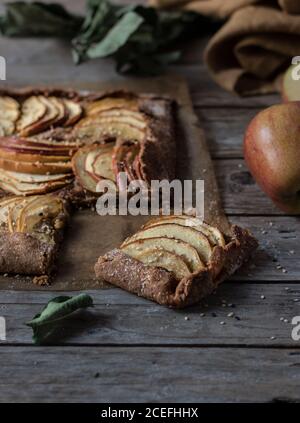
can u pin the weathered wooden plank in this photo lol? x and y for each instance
(277, 258)
(224, 129)
(251, 314)
(98, 374)
(239, 192)
(51, 60)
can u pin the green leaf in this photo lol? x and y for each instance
(117, 36)
(45, 323)
(38, 19)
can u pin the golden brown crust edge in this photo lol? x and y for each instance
(24, 254)
(159, 285)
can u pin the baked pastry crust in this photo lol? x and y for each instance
(31, 229)
(159, 285)
(24, 254)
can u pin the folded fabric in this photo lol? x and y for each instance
(251, 50)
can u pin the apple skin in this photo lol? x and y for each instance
(272, 153)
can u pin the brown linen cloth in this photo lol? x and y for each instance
(248, 54)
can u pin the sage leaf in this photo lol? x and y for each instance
(117, 36)
(46, 322)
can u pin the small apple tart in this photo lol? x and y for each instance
(176, 260)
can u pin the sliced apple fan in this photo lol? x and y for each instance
(103, 143)
(176, 260)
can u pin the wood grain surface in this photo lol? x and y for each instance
(128, 349)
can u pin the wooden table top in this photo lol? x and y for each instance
(128, 349)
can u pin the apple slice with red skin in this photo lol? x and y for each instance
(87, 166)
(99, 106)
(175, 231)
(272, 153)
(166, 260)
(55, 114)
(123, 159)
(213, 234)
(74, 112)
(37, 167)
(32, 111)
(102, 166)
(17, 144)
(49, 117)
(32, 178)
(32, 155)
(24, 188)
(37, 142)
(180, 248)
(95, 128)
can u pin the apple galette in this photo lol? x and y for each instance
(56, 145)
(175, 260)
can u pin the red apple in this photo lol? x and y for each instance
(272, 152)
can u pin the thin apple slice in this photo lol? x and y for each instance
(6, 205)
(25, 144)
(50, 116)
(24, 188)
(109, 119)
(183, 249)
(74, 111)
(122, 115)
(175, 231)
(102, 166)
(99, 106)
(31, 156)
(213, 234)
(83, 177)
(95, 130)
(40, 208)
(31, 112)
(58, 137)
(14, 152)
(93, 163)
(8, 126)
(9, 108)
(61, 109)
(33, 178)
(14, 213)
(37, 167)
(168, 261)
(123, 159)
(55, 114)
